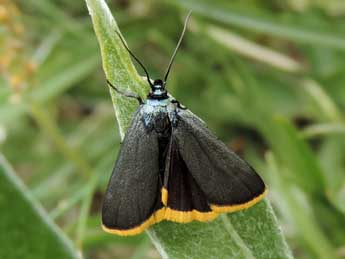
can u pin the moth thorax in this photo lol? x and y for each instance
(158, 91)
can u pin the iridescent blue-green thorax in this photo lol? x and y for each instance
(159, 111)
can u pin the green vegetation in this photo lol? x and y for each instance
(266, 76)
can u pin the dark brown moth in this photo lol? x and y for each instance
(171, 167)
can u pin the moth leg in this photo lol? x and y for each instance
(179, 105)
(127, 94)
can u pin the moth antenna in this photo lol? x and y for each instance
(177, 46)
(136, 59)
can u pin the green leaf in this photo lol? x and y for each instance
(261, 232)
(325, 105)
(253, 233)
(117, 64)
(301, 213)
(27, 231)
(294, 153)
(332, 158)
(321, 129)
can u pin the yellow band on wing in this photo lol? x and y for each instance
(164, 194)
(183, 216)
(155, 218)
(188, 216)
(167, 214)
(236, 207)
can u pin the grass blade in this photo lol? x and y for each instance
(252, 50)
(27, 224)
(263, 25)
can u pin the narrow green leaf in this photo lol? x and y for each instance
(226, 15)
(225, 237)
(117, 64)
(48, 125)
(85, 210)
(66, 78)
(46, 47)
(27, 231)
(301, 213)
(142, 249)
(322, 101)
(332, 157)
(296, 155)
(251, 49)
(321, 129)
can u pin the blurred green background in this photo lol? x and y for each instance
(267, 76)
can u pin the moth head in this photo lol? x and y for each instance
(158, 90)
(158, 84)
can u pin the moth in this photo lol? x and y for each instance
(172, 167)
